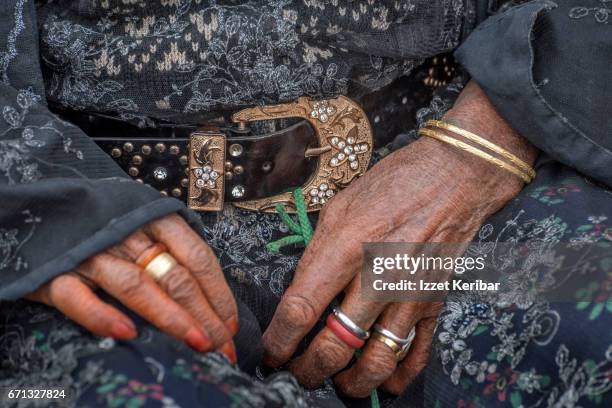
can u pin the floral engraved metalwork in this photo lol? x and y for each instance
(345, 147)
(206, 187)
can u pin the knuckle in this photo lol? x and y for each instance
(380, 364)
(297, 312)
(59, 288)
(129, 282)
(331, 354)
(396, 386)
(179, 284)
(91, 267)
(167, 321)
(203, 259)
(217, 332)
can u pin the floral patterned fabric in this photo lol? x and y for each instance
(200, 57)
(95, 55)
(535, 352)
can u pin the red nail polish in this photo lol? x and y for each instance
(122, 330)
(197, 340)
(232, 325)
(267, 360)
(230, 351)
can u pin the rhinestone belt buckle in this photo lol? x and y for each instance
(344, 150)
(206, 167)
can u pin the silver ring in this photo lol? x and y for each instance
(404, 351)
(388, 333)
(350, 325)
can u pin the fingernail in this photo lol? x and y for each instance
(232, 325)
(267, 360)
(122, 330)
(230, 351)
(197, 340)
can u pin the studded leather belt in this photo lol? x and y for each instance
(328, 146)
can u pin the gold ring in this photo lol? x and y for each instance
(392, 344)
(160, 265)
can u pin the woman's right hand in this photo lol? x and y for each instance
(191, 302)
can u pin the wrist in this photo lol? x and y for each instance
(495, 186)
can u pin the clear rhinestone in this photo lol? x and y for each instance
(323, 201)
(205, 176)
(160, 173)
(198, 172)
(354, 165)
(352, 157)
(330, 110)
(214, 175)
(210, 184)
(348, 150)
(323, 186)
(341, 144)
(200, 183)
(315, 200)
(364, 147)
(323, 117)
(329, 193)
(314, 192)
(334, 140)
(314, 114)
(350, 140)
(321, 194)
(341, 156)
(238, 191)
(333, 161)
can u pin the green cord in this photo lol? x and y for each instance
(303, 231)
(303, 234)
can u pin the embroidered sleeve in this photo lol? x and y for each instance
(545, 65)
(62, 199)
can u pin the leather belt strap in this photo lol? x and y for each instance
(328, 147)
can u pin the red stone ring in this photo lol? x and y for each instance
(351, 337)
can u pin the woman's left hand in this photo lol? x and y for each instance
(425, 192)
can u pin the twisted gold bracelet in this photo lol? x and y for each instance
(483, 142)
(477, 152)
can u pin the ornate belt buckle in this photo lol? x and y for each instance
(344, 150)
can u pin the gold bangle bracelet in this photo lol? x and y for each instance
(477, 152)
(483, 142)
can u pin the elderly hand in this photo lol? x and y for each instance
(191, 302)
(426, 192)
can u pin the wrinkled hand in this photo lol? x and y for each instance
(425, 192)
(192, 302)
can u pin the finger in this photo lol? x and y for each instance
(77, 301)
(182, 287)
(328, 354)
(327, 267)
(193, 253)
(132, 247)
(136, 290)
(378, 361)
(415, 361)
